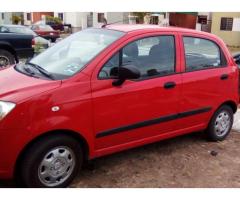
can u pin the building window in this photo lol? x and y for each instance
(60, 16)
(202, 19)
(226, 24)
(100, 17)
(29, 17)
(2, 15)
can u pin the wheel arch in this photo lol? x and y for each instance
(82, 141)
(230, 103)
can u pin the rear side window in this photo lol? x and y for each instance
(202, 54)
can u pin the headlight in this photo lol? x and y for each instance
(5, 108)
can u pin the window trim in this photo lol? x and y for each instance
(227, 18)
(222, 55)
(175, 38)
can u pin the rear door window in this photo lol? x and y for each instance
(202, 54)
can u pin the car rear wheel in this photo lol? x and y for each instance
(220, 124)
(51, 162)
(6, 58)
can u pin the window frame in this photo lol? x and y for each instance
(226, 28)
(223, 57)
(100, 17)
(29, 16)
(175, 39)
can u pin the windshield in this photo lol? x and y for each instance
(70, 55)
(45, 28)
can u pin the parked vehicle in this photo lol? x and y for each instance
(56, 26)
(101, 91)
(236, 57)
(46, 32)
(14, 46)
(37, 40)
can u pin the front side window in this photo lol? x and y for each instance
(201, 54)
(70, 55)
(153, 56)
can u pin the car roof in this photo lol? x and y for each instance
(142, 27)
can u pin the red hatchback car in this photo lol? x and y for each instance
(104, 90)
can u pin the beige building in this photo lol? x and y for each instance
(227, 26)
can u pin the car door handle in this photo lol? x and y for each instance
(169, 85)
(224, 76)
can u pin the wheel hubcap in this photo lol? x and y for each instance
(4, 61)
(222, 124)
(56, 166)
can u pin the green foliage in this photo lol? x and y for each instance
(55, 20)
(38, 48)
(16, 19)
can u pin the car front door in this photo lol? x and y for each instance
(142, 108)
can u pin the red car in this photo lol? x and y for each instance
(46, 32)
(105, 90)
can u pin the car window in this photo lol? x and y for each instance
(45, 27)
(70, 55)
(23, 30)
(4, 29)
(153, 56)
(201, 54)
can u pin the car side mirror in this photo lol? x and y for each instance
(125, 72)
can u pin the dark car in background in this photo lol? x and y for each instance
(14, 46)
(39, 43)
(236, 57)
(56, 26)
(46, 32)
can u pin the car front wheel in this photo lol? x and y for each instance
(51, 162)
(220, 124)
(6, 58)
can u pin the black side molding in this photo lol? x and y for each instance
(152, 122)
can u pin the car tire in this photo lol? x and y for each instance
(51, 162)
(220, 124)
(6, 58)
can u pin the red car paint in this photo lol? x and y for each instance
(94, 108)
(46, 32)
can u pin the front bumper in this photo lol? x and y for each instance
(12, 143)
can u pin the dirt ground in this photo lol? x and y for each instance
(186, 161)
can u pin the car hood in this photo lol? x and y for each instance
(16, 87)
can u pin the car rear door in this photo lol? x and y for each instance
(138, 109)
(206, 80)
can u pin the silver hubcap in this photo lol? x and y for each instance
(222, 124)
(56, 166)
(4, 61)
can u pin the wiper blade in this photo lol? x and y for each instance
(41, 70)
(28, 70)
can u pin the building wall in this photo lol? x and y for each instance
(231, 38)
(183, 20)
(7, 18)
(37, 16)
